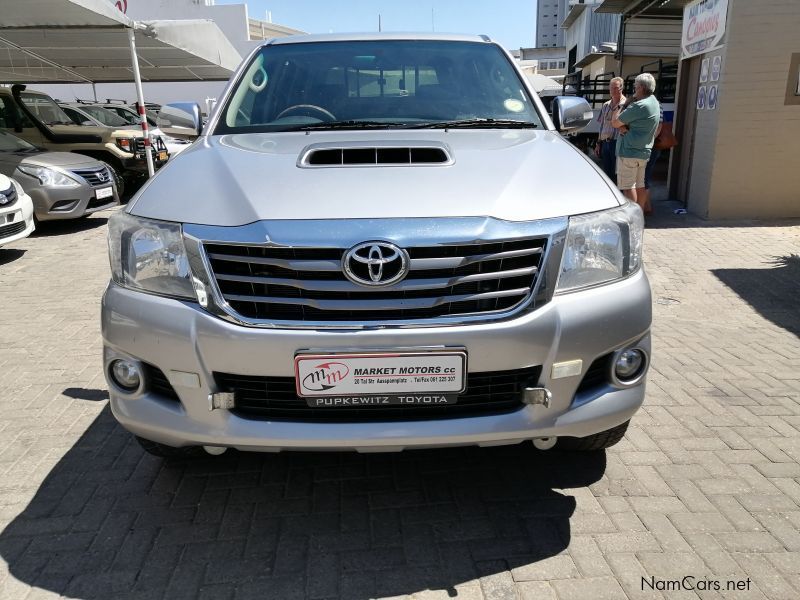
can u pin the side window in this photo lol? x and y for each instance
(6, 119)
(10, 115)
(76, 117)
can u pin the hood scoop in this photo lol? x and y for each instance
(375, 154)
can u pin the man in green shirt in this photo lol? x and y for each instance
(638, 124)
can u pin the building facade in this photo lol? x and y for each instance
(549, 15)
(585, 30)
(737, 113)
(739, 117)
(545, 61)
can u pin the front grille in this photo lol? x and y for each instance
(12, 229)
(308, 284)
(274, 398)
(10, 196)
(95, 177)
(158, 383)
(156, 143)
(95, 203)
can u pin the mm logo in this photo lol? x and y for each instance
(325, 376)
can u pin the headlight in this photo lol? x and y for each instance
(601, 247)
(148, 255)
(49, 177)
(127, 144)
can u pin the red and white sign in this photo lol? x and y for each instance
(328, 375)
(703, 26)
(122, 5)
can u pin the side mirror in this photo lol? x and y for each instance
(571, 113)
(180, 120)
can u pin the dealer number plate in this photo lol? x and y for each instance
(380, 378)
(104, 193)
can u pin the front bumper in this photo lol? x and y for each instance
(16, 221)
(68, 203)
(139, 165)
(179, 337)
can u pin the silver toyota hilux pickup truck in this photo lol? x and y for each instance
(377, 242)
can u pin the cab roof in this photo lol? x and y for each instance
(370, 37)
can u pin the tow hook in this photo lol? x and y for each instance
(544, 443)
(537, 395)
(225, 400)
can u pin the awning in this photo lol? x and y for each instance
(649, 7)
(66, 41)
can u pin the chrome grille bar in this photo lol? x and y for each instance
(405, 285)
(387, 304)
(295, 265)
(461, 261)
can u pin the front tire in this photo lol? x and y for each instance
(598, 441)
(119, 180)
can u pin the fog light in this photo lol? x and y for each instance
(629, 364)
(126, 374)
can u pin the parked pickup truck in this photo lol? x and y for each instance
(36, 118)
(370, 248)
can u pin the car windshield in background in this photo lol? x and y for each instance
(378, 84)
(11, 143)
(106, 117)
(45, 109)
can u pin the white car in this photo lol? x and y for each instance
(16, 212)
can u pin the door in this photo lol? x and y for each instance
(11, 118)
(684, 123)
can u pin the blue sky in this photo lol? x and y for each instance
(510, 22)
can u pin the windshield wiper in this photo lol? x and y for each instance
(477, 123)
(345, 125)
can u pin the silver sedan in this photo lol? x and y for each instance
(62, 185)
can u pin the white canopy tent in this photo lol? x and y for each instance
(90, 41)
(547, 86)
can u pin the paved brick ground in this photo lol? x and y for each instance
(706, 483)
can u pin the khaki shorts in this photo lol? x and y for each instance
(630, 172)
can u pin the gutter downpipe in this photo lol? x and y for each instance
(137, 77)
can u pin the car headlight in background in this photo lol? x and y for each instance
(601, 247)
(48, 177)
(149, 256)
(127, 144)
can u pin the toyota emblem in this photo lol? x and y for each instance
(375, 264)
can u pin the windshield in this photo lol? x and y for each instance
(45, 109)
(106, 117)
(385, 83)
(130, 115)
(11, 143)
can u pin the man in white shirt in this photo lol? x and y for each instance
(606, 146)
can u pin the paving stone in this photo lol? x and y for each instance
(597, 588)
(749, 542)
(548, 569)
